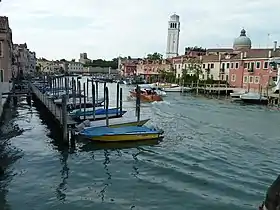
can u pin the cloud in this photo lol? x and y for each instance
(106, 29)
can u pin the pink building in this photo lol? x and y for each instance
(128, 67)
(6, 50)
(147, 68)
(251, 69)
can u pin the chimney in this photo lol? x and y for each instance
(241, 55)
(269, 53)
(274, 46)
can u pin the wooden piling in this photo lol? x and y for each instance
(138, 103)
(121, 100)
(87, 87)
(104, 93)
(93, 99)
(118, 95)
(64, 118)
(106, 104)
(85, 98)
(96, 88)
(80, 95)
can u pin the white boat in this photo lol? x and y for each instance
(236, 95)
(158, 90)
(254, 98)
(176, 88)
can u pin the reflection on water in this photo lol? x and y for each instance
(215, 155)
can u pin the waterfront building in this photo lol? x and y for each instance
(76, 67)
(249, 68)
(128, 67)
(173, 36)
(148, 68)
(6, 50)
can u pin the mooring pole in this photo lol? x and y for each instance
(104, 94)
(93, 99)
(138, 103)
(85, 98)
(106, 105)
(121, 101)
(64, 118)
(118, 96)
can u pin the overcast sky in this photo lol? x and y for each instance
(108, 28)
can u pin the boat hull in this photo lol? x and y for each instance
(255, 101)
(147, 98)
(126, 137)
(118, 125)
(100, 116)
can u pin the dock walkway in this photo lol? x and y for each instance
(52, 107)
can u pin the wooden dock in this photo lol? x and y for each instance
(52, 107)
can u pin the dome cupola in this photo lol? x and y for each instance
(242, 42)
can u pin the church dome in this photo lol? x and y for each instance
(242, 42)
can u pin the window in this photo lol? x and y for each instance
(212, 77)
(252, 65)
(233, 77)
(212, 65)
(202, 76)
(223, 65)
(204, 65)
(231, 65)
(1, 75)
(258, 65)
(251, 79)
(226, 77)
(245, 79)
(236, 65)
(227, 65)
(265, 65)
(245, 65)
(1, 49)
(222, 77)
(257, 79)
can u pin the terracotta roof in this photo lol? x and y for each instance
(4, 23)
(219, 50)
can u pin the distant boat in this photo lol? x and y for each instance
(127, 133)
(154, 88)
(236, 95)
(146, 95)
(254, 98)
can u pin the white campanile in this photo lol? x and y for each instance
(173, 36)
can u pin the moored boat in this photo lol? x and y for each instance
(127, 133)
(254, 98)
(236, 95)
(99, 114)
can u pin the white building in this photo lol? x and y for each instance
(172, 48)
(75, 67)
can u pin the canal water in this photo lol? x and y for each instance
(215, 155)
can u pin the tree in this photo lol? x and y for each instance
(155, 56)
(193, 69)
(167, 76)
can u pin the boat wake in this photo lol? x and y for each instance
(161, 102)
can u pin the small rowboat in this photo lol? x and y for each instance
(119, 134)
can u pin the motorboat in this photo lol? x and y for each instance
(158, 90)
(146, 95)
(254, 98)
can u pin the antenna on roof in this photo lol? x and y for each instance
(268, 39)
